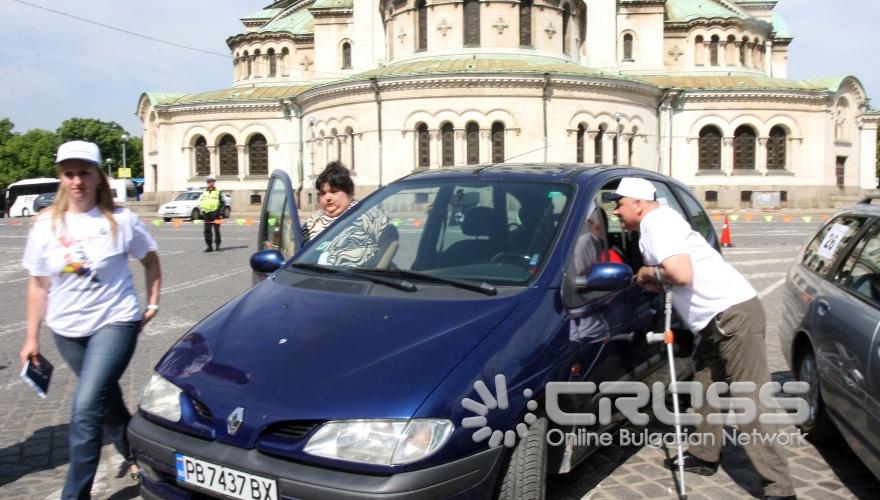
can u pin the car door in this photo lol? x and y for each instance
(851, 317)
(279, 223)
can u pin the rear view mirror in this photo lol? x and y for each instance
(267, 261)
(606, 276)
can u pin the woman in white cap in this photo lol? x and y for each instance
(80, 284)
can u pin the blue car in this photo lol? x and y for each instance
(405, 351)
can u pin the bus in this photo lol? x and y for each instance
(20, 195)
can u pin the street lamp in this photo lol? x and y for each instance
(124, 142)
(109, 162)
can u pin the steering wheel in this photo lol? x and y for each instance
(516, 259)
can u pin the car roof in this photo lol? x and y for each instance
(571, 172)
(869, 205)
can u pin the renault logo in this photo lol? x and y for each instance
(234, 420)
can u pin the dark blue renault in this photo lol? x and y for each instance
(404, 352)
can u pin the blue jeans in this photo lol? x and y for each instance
(98, 407)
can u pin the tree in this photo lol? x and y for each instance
(6, 127)
(28, 155)
(108, 137)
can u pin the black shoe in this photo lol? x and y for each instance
(778, 497)
(217, 247)
(692, 464)
(209, 249)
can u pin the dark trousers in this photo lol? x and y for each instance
(212, 220)
(732, 350)
(98, 407)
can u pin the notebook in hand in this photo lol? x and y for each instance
(38, 377)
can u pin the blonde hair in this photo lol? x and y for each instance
(104, 200)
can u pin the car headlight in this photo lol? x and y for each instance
(382, 442)
(161, 398)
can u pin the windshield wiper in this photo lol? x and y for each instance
(406, 286)
(474, 286)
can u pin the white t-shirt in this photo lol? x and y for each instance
(90, 282)
(716, 285)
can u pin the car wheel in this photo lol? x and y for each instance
(195, 214)
(819, 427)
(25, 212)
(526, 472)
(227, 212)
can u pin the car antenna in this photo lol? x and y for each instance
(511, 158)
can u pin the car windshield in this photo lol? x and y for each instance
(191, 195)
(494, 232)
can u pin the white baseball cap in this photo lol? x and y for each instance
(79, 150)
(634, 187)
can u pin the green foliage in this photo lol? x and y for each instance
(32, 154)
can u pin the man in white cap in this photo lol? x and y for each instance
(717, 302)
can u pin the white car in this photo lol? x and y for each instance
(186, 206)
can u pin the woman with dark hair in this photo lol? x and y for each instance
(80, 284)
(335, 195)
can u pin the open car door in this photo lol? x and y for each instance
(279, 223)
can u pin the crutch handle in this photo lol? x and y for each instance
(654, 337)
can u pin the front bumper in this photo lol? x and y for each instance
(470, 477)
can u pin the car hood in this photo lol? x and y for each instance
(287, 353)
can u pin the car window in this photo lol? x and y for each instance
(861, 271)
(698, 215)
(824, 249)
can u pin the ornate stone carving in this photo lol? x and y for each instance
(550, 30)
(306, 63)
(675, 52)
(500, 25)
(401, 35)
(443, 27)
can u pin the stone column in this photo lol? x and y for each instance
(761, 155)
(750, 51)
(214, 156)
(707, 55)
(589, 147)
(460, 153)
(727, 155)
(608, 148)
(485, 146)
(436, 148)
(242, 161)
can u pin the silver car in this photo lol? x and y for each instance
(830, 329)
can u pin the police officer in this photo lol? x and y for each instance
(211, 205)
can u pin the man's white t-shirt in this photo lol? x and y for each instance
(716, 285)
(90, 282)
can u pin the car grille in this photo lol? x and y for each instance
(291, 430)
(201, 409)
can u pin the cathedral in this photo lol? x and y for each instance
(694, 89)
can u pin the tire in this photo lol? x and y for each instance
(195, 214)
(819, 428)
(227, 212)
(25, 212)
(525, 475)
(167, 219)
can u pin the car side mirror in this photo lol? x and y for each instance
(267, 261)
(606, 277)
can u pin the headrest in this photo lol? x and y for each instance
(479, 221)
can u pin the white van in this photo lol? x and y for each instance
(123, 190)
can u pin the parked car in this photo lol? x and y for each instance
(42, 201)
(186, 205)
(356, 369)
(830, 330)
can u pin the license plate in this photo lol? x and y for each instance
(224, 480)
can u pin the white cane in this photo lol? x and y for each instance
(669, 338)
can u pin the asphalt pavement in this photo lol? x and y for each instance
(33, 437)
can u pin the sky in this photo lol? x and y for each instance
(54, 67)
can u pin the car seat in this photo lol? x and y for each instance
(478, 222)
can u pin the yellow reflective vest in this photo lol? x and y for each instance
(210, 201)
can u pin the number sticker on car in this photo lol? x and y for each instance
(224, 480)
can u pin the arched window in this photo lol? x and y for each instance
(471, 23)
(346, 55)
(597, 143)
(203, 157)
(699, 51)
(566, 18)
(283, 61)
(776, 144)
(422, 22)
(710, 148)
(350, 133)
(525, 23)
(582, 132)
(472, 141)
(713, 50)
(497, 142)
(742, 51)
(249, 63)
(627, 47)
(744, 139)
(273, 62)
(257, 62)
(447, 144)
(258, 155)
(228, 156)
(841, 114)
(424, 146)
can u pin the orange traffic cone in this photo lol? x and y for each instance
(725, 234)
